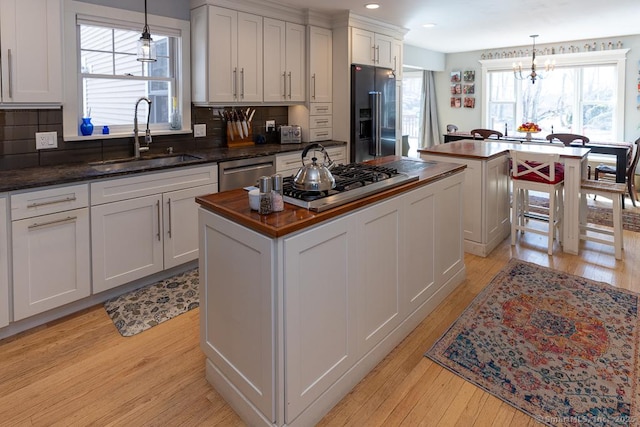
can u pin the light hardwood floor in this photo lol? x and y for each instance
(79, 371)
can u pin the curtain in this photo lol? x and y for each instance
(429, 129)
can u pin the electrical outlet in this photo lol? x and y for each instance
(270, 125)
(46, 140)
(199, 130)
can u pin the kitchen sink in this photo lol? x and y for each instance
(131, 163)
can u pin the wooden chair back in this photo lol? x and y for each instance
(538, 167)
(567, 138)
(485, 133)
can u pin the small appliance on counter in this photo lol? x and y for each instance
(290, 134)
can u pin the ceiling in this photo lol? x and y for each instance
(467, 25)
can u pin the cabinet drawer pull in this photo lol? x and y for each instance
(169, 231)
(322, 134)
(159, 224)
(55, 221)
(51, 202)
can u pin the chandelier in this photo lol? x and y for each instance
(146, 45)
(517, 68)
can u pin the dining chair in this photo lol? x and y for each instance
(452, 128)
(608, 170)
(567, 138)
(485, 133)
(539, 172)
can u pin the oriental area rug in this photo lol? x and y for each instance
(143, 308)
(598, 214)
(559, 347)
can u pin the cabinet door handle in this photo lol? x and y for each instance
(159, 224)
(51, 202)
(170, 227)
(378, 54)
(55, 221)
(284, 85)
(235, 83)
(10, 62)
(373, 58)
(395, 63)
(242, 81)
(313, 77)
(289, 84)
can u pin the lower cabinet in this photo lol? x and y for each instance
(50, 235)
(4, 264)
(134, 237)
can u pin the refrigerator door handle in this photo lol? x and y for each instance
(376, 108)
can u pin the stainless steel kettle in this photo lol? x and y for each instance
(314, 176)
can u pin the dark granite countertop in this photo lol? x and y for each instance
(20, 179)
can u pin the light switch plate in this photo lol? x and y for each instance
(199, 130)
(270, 125)
(46, 140)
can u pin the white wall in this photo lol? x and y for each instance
(469, 118)
(179, 9)
(423, 59)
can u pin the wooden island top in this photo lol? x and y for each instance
(234, 204)
(475, 149)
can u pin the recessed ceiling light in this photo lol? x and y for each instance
(429, 25)
(372, 5)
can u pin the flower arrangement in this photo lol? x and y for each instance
(529, 127)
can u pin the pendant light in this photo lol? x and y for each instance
(534, 74)
(146, 45)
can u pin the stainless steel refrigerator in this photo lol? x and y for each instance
(373, 112)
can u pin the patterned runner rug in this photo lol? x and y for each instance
(561, 348)
(600, 215)
(139, 310)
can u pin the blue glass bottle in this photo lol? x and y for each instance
(86, 128)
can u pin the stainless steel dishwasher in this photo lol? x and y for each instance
(244, 172)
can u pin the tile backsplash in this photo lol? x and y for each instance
(18, 144)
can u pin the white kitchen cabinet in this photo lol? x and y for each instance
(314, 311)
(486, 211)
(397, 58)
(4, 264)
(144, 224)
(50, 247)
(227, 56)
(369, 48)
(31, 51)
(320, 64)
(284, 61)
(289, 163)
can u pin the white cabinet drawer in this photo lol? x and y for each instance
(316, 122)
(319, 108)
(337, 154)
(154, 183)
(320, 134)
(49, 200)
(289, 161)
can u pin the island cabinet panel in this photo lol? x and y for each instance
(319, 301)
(498, 204)
(419, 273)
(449, 253)
(380, 251)
(237, 318)
(4, 264)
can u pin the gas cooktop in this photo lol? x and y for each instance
(353, 181)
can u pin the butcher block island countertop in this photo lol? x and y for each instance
(296, 307)
(234, 204)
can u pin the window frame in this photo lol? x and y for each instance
(118, 18)
(616, 57)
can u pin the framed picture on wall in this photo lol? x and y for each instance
(469, 88)
(469, 76)
(469, 102)
(456, 102)
(456, 76)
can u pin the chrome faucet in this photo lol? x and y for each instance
(147, 136)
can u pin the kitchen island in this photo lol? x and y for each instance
(298, 306)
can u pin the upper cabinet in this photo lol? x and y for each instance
(227, 55)
(369, 48)
(284, 61)
(31, 51)
(320, 64)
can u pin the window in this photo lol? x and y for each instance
(104, 79)
(583, 97)
(108, 67)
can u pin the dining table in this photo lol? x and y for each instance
(574, 159)
(620, 149)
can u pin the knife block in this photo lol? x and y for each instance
(235, 139)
